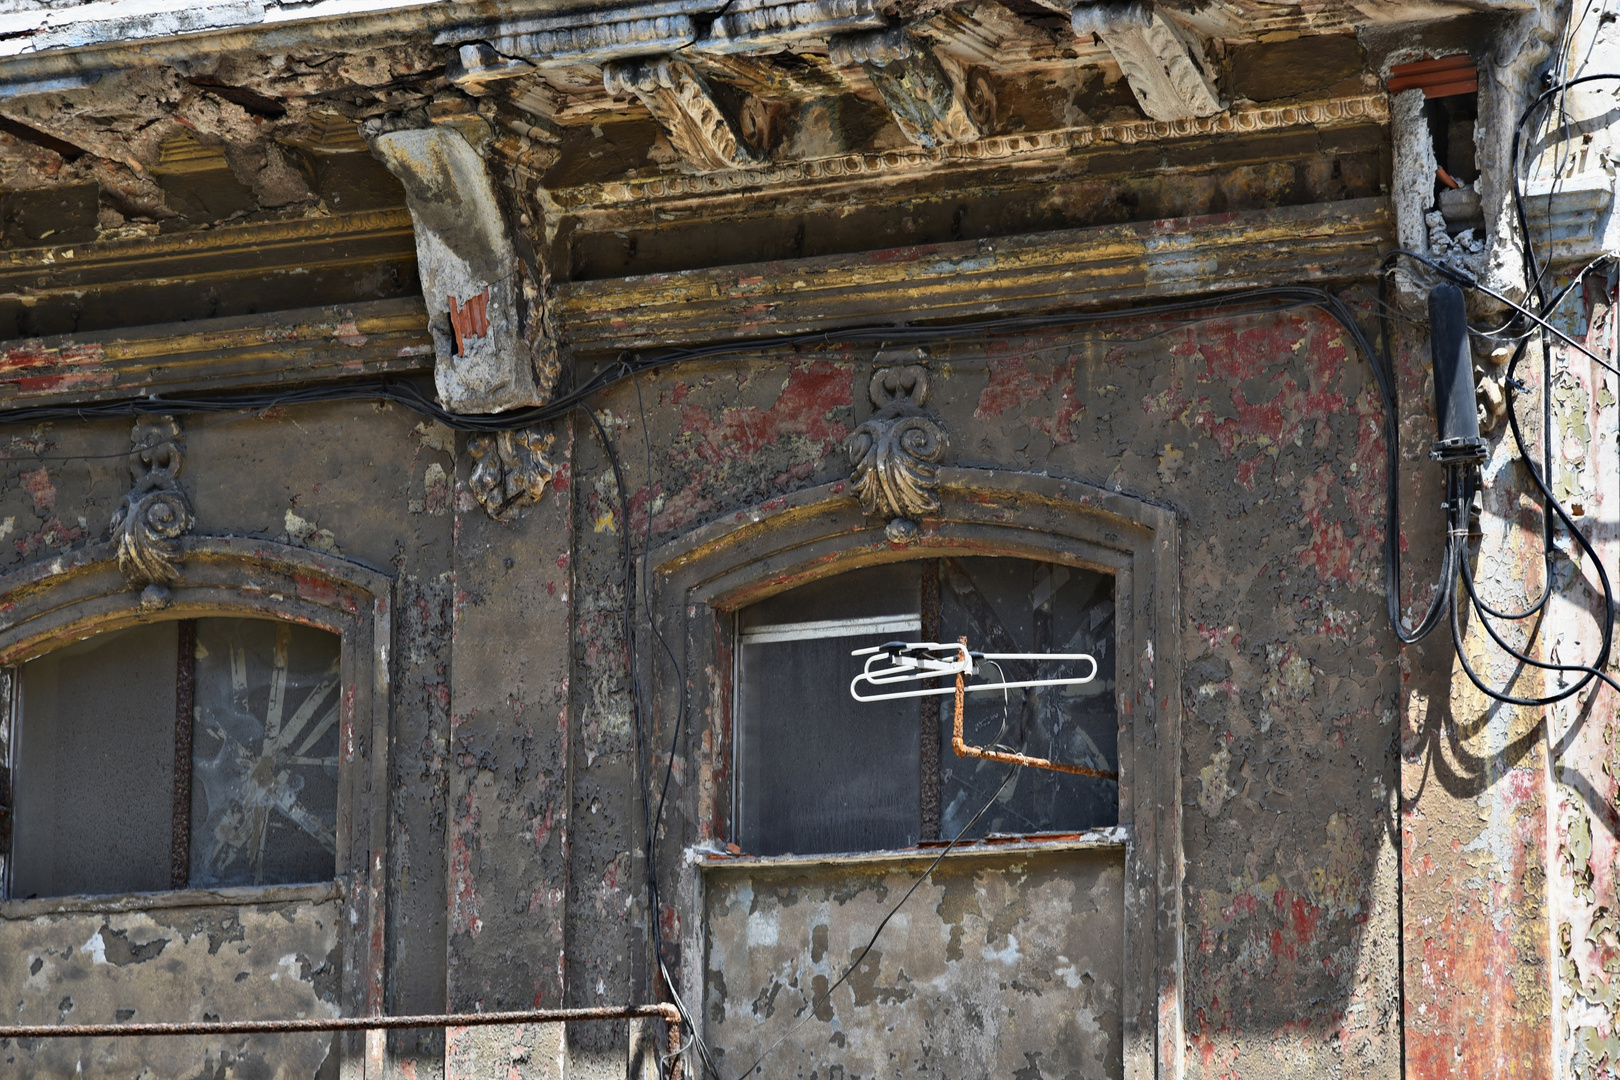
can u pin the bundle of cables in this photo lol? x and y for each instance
(1461, 451)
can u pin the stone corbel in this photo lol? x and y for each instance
(153, 517)
(930, 106)
(896, 453)
(510, 470)
(700, 129)
(1163, 62)
(472, 279)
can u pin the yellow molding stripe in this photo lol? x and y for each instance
(308, 345)
(1075, 268)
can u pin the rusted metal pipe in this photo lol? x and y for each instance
(674, 1051)
(964, 750)
(665, 1011)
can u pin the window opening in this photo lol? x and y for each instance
(192, 753)
(818, 771)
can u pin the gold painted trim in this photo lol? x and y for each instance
(1066, 270)
(225, 240)
(305, 345)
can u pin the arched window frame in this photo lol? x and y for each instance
(53, 602)
(704, 576)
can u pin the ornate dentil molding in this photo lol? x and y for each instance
(930, 107)
(896, 453)
(599, 42)
(681, 102)
(1164, 64)
(152, 518)
(510, 470)
(757, 25)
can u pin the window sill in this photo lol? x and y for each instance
(1110, 839)
(233, 897)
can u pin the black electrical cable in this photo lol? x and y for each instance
(637, 720)
(1460, 489)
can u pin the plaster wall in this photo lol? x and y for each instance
(517, 873)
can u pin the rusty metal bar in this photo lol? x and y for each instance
(964, 750)
(664, 1011)
(185, 696)
(928, 712)
(674, 1052)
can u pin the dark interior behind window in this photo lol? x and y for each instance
(819, 772)
(93, 766)
(175, 754)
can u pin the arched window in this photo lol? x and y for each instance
(818, 771)
(175, 754)
(273, 661)
(804, 815)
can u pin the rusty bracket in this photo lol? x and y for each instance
(962, 749)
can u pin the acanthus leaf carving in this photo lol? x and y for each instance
(155, 514)
(896, 453)
(931, 104)
(699, 128)
(1164, 64)
(510, 469)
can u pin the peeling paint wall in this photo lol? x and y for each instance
(1003, 967)
(1382, 871)
(170, 964)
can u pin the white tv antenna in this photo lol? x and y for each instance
(897, 663)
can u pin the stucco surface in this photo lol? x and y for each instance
(997, 966)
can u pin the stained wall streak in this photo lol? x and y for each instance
(508, 808)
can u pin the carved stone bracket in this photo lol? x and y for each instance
(155, 514)
(930, 107)
(510, 470)
(702, 132)
(897, 452)
(1163, 63)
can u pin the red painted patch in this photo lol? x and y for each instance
(1016, 383)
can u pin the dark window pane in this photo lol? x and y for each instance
(1014, 605)
(265, 754)
(819, 771)
(93, 766)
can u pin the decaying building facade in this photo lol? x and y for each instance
(453, 451)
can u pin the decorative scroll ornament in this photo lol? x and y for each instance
(151, 519)
(682, 103)
(1163, 63)
(896, 453)
(930, 106)
(510, 471)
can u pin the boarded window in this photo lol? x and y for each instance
(175, 754)
(817, 771)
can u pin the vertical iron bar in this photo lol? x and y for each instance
(928, 710)
(185, 697)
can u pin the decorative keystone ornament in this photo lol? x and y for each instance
(896, 453)
(152, 518)
(510, 470)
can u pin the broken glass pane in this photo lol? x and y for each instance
(1014, 605)
(265, 754)
(93, 766)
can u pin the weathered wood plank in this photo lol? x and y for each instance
(1078, 268)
